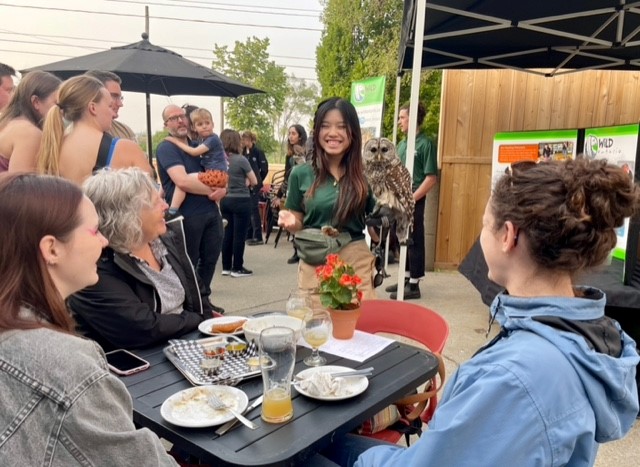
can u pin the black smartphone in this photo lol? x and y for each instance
(125, 363)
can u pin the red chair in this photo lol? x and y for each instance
(420, 324)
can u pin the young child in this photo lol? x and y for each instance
(213, 158)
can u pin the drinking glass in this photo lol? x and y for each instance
(277, 359)
(316, 331)
(298, 304)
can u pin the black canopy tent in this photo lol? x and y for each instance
(561, 36)
(544, 37)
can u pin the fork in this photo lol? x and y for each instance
(219, 405)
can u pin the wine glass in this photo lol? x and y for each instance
(298, 304)
(316, 331)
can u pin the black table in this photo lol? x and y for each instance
(398, 369)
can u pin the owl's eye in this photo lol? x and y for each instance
(374, 149)
(385, 149)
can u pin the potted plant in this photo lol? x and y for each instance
(338, 289)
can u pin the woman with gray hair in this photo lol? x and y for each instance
(147, 290)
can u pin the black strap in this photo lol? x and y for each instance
(103, 152)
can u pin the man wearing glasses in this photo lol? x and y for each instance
(6, 85)
(112, 82)
(202, 220)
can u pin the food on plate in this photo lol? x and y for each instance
(325, 385)
(228, 327)
(193, 405)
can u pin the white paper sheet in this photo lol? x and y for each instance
(359, 348)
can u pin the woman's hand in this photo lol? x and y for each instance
(276, 202)
(286, 220)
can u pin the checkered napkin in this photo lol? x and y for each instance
(233, 369)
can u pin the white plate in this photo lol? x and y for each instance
(205, 326)
(354, 385)
(189, 408)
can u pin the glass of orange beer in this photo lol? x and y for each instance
(277, 359)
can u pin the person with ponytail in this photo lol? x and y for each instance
(85, 103)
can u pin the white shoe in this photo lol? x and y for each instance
(226, 272)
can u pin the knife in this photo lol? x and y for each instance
(230, 424)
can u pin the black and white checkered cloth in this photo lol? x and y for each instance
(234, 367)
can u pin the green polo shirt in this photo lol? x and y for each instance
(425, 163)
(318, 211)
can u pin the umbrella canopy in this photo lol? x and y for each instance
(148, 68)
(561, 36)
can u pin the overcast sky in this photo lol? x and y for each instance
(36, 32)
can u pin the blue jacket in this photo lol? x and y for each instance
(556, 382)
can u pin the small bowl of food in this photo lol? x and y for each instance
(216, 351)
(255, 326)
(211, 366)
(235, 348)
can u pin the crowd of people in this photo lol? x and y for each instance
(91, 245)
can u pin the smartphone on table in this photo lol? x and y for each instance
(123, 362)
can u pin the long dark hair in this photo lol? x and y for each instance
(303, 138)
(353, 184)
(33, 206)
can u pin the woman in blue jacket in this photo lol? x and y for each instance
(559, 379)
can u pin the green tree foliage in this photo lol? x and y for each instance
(156, 139)
(249, 63)
(300, 104)
(361, 39)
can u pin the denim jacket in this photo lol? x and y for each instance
(60, 406)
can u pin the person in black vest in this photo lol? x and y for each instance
(260, 167)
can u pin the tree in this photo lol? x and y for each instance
(361, 39)
(299, 107)
(156, 139)
(249, 63)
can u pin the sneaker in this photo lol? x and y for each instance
(394, 288)
(241, 273)
(411, 292)
(294, 259)
(254, 241)
(226, 272)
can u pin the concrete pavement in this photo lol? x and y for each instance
(446, 292)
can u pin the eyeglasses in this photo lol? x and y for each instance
(117, 97)
(175, 118)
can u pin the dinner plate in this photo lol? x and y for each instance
(189, 408)
(205, 326)
(354, 385)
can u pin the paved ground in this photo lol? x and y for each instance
(447, 292)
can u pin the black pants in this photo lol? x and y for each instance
(415, 253)
(203, 236)
(255, 227)
(237, 212)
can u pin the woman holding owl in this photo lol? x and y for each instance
(332, 192)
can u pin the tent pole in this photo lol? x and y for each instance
(149, 136)
(395, 109)
(421, 9)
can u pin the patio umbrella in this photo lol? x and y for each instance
(148, 68)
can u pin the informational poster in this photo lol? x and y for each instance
(367, 96)
(619, 145)
(542, 146)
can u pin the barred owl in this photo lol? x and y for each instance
(391, 184)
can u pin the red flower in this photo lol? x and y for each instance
(338, 284)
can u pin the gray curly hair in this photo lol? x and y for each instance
(119, 196)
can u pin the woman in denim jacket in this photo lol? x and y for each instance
(60, 405)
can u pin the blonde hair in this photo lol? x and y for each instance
(199, 115)
(73, 98)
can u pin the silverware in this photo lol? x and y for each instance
(361, 372)
(232, 423)
(218, 404)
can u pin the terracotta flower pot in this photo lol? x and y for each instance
(344, 322)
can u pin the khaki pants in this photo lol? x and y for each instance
(356, 254)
